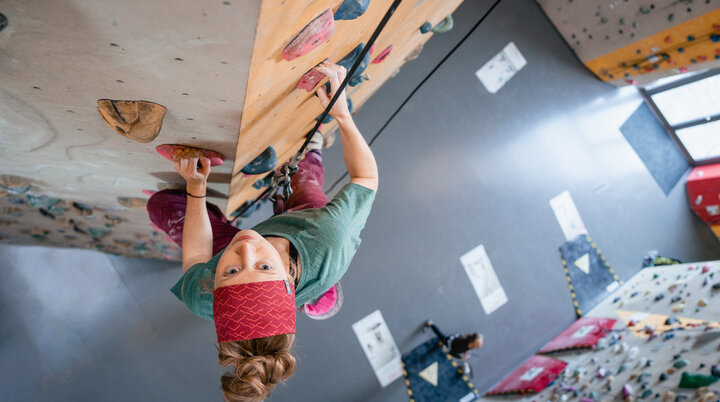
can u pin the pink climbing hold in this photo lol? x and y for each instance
(168, 150)
(383, 55)
(311, 78)
(314, 34)
(149, 193)
(705, 269)
(683, 69)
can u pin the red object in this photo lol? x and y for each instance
(312, 36)
(532, 376)
(705, 269)
(149, 193)
(254, 310)
(383, 55)
(583, 333)
(683, 69)
(167, 151)
(668, 39)
(702, 58)
(703, 189)
(311, 78)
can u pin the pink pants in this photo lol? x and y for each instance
(167, 207)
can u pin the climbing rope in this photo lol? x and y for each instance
(280, 190)
(447, 56)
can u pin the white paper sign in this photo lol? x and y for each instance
(567, 216)
(531, 374)
(496, 72)
(379, 347)
(483, 278)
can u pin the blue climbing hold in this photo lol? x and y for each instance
(715, 38)
(264, 182)
(351, 9)
(349, 60)
(690, 38)
(426, 27)
(264, 162)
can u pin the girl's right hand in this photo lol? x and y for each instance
(336, 74)
(192, 166)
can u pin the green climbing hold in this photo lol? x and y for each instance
(646, 394)
(671, 17)
(695, 380)
(644, 10)
(41, 201)
(680, 363)
(97, 233)
(445, 25)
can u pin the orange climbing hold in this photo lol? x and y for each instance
(168, 151)
(140, 121)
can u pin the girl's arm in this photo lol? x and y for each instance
(197, 233)
(359, 159)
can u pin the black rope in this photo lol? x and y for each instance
(477, 24)
(356, 65)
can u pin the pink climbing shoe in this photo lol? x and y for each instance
(167, 151)
(326, 305)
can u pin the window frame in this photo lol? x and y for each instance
(648, 92)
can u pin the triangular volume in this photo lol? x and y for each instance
(584, 263)
(430, 374)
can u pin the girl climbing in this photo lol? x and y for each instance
(250, 281)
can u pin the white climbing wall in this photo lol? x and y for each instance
(631, 356)
(57, 58)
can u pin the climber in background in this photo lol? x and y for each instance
(459, 346)
(249, 282)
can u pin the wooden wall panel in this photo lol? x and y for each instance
(275, 112)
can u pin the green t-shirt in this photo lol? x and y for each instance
(326, 240)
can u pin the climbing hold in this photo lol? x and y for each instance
(41, 201)
(646, 394)
(3, 21)
(383, 55)
(675, 299)
(702, 303)
(426, 27)
(149, 193)
(262, 163)
(132, 202)
(349, 60)
(627, 391)
(445, 25)
(671, 321)
(696, 380)
(39, 234)
(84, 209)
(715, 38)
(113, 220)
(715, 370)
(311, 78)
(663, 377)
(659, 297)
(18, 201)
(705, 269)
(14, 185)
(140, 121)
(351, 9)
(314, 33)
(415, 53)
(264, 182)
(680, 363)
(168, 151)
(98, 233)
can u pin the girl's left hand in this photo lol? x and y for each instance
(192, 166)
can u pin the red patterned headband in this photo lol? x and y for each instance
(254, 310)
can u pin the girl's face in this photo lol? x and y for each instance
(249, 258)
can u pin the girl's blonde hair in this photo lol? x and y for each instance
(259, 364)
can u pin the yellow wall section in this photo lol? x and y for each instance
(674, 48)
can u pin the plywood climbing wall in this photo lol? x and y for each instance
(278, 114)
(625, 42)
(58, 58)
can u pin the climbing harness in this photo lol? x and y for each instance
(280, 190)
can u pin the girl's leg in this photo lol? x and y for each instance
(307, 184)
(167, 211)
(439, 333)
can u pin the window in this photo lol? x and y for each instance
(689, 108)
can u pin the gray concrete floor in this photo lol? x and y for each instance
(459, 167)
